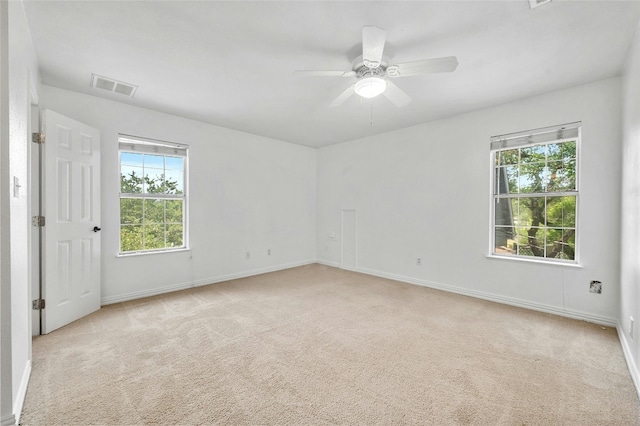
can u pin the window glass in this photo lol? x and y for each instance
(152, 198)
(535, 201)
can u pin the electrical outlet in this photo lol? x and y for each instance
(595, 287)
(631, 327)
(418, 261)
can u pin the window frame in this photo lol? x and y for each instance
(538, 137)
(141, 145)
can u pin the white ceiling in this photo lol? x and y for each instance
(231, 63)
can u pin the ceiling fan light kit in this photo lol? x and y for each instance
(370, 87)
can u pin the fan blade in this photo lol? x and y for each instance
(426, 66)
(343, 97)
(373, 39)
(395, 95)
(321, 73)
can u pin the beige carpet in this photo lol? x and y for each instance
(318, 345)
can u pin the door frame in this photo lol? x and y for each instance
(34, 174)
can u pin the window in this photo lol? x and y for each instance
(535, 194)
(152, 195)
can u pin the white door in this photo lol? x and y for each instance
(348, 256)
(71, 240)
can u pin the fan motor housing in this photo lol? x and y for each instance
(362, 70)
(365, 71)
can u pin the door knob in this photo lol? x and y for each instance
(96, 229)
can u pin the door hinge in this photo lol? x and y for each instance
(38, 304)
(38, 137)
(37, 220)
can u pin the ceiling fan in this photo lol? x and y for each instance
(373, 70)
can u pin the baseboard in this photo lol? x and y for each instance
(9, 420)
(611, 322)
(22, 392)
(494, 298)
(252, 272)
(328, 263)
(626, 349)
(197, 283)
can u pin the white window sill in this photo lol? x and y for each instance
(528, 260)
(144, 253)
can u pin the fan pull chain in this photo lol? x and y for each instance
(371, 118)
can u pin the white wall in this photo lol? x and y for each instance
(247, 194)
(22, 81)
(630, 236)
(424, 192)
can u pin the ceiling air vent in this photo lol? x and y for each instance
(112, 85)
(536, 3)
